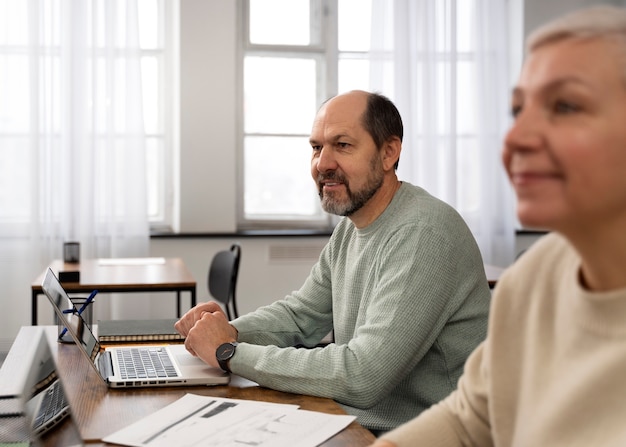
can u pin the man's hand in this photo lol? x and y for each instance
(187, 321)
(205, 328)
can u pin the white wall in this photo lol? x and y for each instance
(263, 278)
(208, 80)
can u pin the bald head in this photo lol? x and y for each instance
(375, 112)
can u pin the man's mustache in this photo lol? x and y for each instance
(331, 176)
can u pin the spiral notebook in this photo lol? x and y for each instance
(122, 331)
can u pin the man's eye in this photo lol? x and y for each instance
(340, 144)
(316, 148)
(515, 110)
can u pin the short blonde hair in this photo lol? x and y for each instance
(593, 22)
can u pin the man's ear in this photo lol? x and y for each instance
(391, 152)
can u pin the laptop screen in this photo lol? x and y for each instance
(73, 321)
(37, 403)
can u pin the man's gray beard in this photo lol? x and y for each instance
(356, 200)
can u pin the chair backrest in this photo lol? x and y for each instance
(222, 278)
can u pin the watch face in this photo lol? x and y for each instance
(225, 351)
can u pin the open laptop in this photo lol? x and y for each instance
(171, 365)
(36, 407)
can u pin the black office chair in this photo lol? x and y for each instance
(222, 279)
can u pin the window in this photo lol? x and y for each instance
(30, 79)
(158, 45)
(284, 78)
(157, 27)
(289, 68)
(444, 63)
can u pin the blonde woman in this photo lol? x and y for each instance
(552, 371)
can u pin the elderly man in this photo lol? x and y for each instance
(401, 284)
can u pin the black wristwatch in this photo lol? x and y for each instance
(224, 353)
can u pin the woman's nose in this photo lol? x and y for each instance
(525, 132)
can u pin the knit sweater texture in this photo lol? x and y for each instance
(551, 371)
(407, 299)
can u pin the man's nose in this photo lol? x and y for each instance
(326, 160)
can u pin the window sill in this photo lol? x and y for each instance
(241, 234)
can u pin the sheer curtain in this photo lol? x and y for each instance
(90, 149)
(74, 135)
(445, 64)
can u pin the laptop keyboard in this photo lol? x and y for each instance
(52, 404)
(143, 363)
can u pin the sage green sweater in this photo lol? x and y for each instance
(407, 299)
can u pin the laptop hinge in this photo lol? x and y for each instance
(105, 364)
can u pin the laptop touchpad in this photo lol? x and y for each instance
(184, 358)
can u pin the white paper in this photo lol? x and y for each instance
(131, 261)
(210, 421)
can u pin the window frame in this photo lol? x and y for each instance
(325, 54)
(170, 108)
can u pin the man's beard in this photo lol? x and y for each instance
(356, 199)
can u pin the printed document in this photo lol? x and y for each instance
(195, 420)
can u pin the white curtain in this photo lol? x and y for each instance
(77, 64)
(445, 65)
(88, 147)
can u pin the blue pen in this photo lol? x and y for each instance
(87, 302)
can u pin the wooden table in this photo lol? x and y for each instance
(123, 275)
(99, 411)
